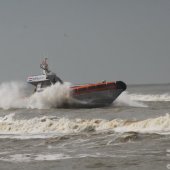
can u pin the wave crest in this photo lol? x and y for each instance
(150, 97)
(48, 125)
(154, 125)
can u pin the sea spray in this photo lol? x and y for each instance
(12, 94)
(53, 96)
(20, 95)
(125, 99)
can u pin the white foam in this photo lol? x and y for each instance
(135, 100)
(155, 125)
(11, 95)
(51, 157)
(34, 157)
(53, 96)
(45, 127)
(126, 99)
(16, 158)
(150, 97)
(15, 95)
(7, 118)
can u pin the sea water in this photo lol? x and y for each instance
(133, 133)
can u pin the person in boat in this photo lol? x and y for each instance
(55, 79)
(44, 66)
(49, 75)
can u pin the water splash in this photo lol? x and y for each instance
(11, 95)
(125, 99)
(53, 96)
(15, 95)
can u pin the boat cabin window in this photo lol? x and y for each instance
(45, 84)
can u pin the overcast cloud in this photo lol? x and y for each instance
(86, 40)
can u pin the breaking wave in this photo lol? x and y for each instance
(150, 97)
(53, 125)
(153, 125)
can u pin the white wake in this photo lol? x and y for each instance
(150, 97)
(125, 99)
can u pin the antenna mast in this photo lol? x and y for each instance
(44, 66)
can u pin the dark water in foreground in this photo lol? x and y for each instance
(133, 133)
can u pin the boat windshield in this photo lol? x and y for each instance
(45, 84)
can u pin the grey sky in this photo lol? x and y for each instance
(86, 40)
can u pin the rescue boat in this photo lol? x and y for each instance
(98, 94)
(88, 95)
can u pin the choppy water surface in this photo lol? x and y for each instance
(133, 133)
